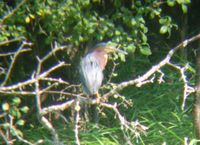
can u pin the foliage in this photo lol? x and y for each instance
(79, 24)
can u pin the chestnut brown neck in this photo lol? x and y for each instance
(102, 57)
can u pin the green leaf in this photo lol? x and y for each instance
(15, 112)
(180, 1)
(5, 106)
(144, 37)
(117, 32)
(15, 131)
(162, 21)
(163, 29)
(131, 48)
(122, 57)
(20, 122)
(145, 50)
(27, 20)
(171, 3)
(187, 1)
(16, 101)
(191, 69)
(184, 8)
(133, 22)
(25, 109)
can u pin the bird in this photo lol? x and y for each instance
(91, 70)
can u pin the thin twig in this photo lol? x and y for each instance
(58, 80)
(160, 79)
(132, 126)
(12, 53)
(13, 11)
(10, 41)
(152, 70)
(55, 108)
(61, 93)
(7, 141)
(52, 53)
(19, 51)
(187, 89)
(112, 71)
(24, 93)
(76, 127)
(33, 80)
(46, 73)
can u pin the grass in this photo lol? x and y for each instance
(156, 106)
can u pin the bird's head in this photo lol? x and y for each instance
(108, 48)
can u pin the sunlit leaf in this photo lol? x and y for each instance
(171, 3)
(133, 22)
(5, 106)
(27, 20)
(145, 50)
(15, 112)
(131, 48)
(25, 109)
(163, 29)
(20, 122)
(144, 37)
(32, 16)
(180, 1)
(16, 101)
(184, 8)
(122, 57)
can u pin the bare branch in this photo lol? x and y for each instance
(161, 80)
(17, 86)
(12, 53)
(59, 107)
(187, 90)
(13, 12)
(19, 51)
(33, 80)
(54, 50)
(24, 93)
(7, 141)
(59, 80)
(61, 93)
(112, 71)
(23, 88)
(132, 126)
(46, 73)
(53, 132)
(76, 127)
(10, 41)
(154, 69)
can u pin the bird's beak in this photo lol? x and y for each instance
(114, 49)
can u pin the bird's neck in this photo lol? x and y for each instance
(102, 58)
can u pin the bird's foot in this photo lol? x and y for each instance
(98, 99)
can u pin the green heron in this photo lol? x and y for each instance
(92, 66)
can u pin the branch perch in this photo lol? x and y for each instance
(154, 69)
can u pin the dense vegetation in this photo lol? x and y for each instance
(42, 42)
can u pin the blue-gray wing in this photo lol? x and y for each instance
(91, 74)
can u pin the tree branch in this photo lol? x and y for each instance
(152, 70)
(18, 52)
(13, 11)
(10, 41)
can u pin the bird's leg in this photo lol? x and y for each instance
(98, 98)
